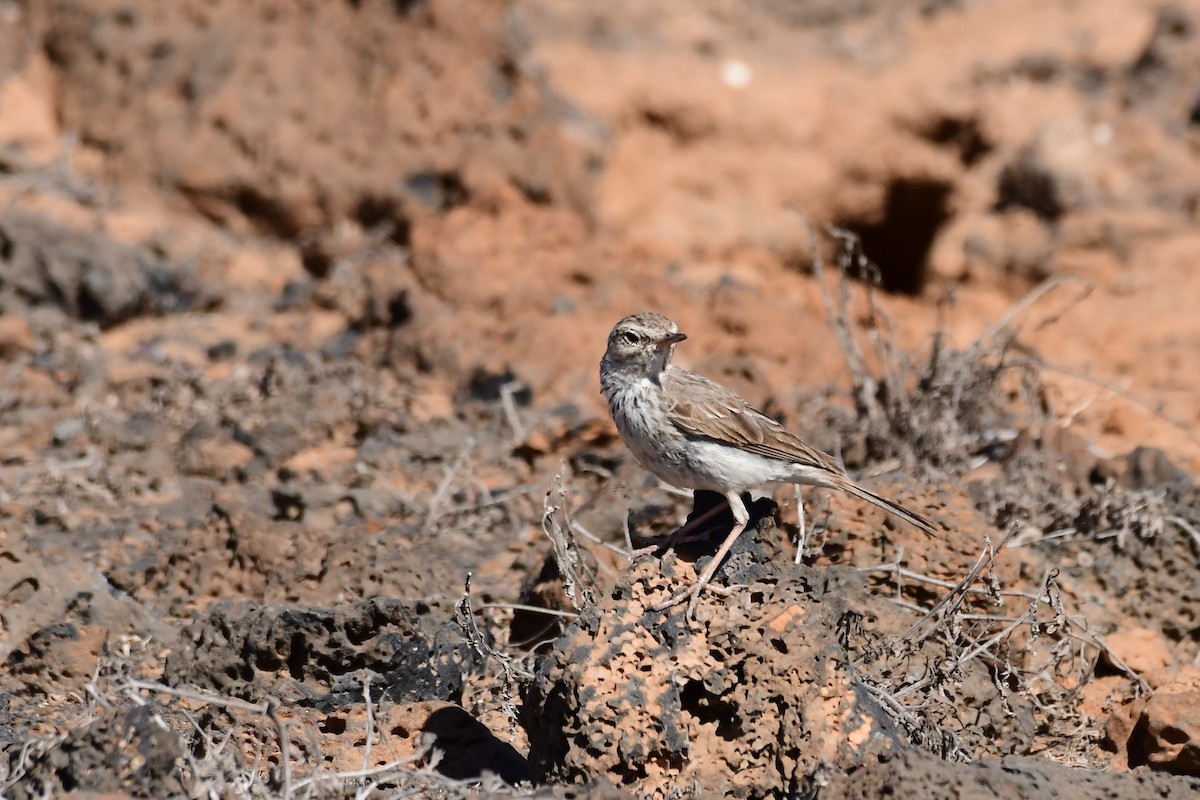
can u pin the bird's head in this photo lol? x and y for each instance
(642, 344)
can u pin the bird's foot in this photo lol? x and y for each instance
(692, 595)
(666, 546)
(640, 552)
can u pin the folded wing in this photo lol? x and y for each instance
(710, 411)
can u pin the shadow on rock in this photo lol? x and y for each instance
(468, 749)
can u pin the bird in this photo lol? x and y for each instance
(694, 433)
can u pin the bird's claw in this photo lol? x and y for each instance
(692, 595)
(661, 549)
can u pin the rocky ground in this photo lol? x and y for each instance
(306, 487)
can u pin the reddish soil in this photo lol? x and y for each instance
(301, 308)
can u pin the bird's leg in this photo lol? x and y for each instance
(802, 540)
(680, 535)
(740, 518)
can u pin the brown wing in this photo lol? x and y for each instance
(709, 410)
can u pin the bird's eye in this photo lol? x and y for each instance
(629, 337)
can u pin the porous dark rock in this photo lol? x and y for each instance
(317, 656)
(753, 698)
(88, 275)
(127, 751)
(914, 773)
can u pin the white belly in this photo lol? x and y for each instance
(724, 468)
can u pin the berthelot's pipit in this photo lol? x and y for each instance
(696, 434)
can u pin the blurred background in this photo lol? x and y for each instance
(487, 187)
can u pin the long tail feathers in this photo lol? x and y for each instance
(887, 505)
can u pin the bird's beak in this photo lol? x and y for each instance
(671, 338)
